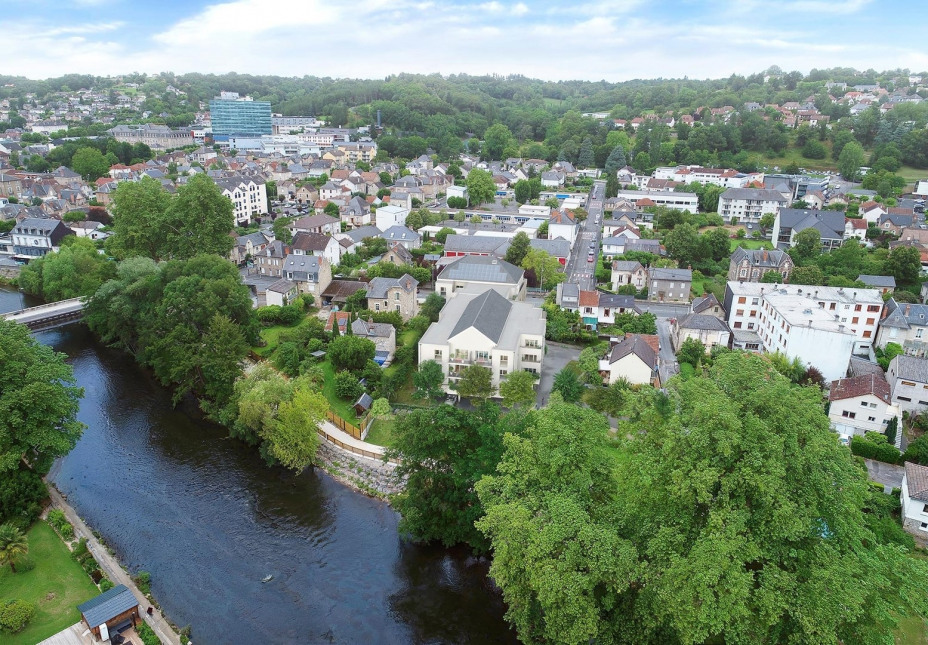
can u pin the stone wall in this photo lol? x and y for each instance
(371, 476)
(914, 528)
(9, 273)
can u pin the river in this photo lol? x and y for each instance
(173, 496)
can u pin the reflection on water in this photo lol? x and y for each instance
(173, 496)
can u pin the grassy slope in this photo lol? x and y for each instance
(57, 585)
(381, 433)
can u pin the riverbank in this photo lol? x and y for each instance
(114, 570)
(357, 464)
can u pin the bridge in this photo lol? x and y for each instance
(48, 315)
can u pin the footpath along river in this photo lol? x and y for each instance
(173, 496)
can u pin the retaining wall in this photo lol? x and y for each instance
(369, 475)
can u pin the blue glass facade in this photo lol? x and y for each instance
(240, 117)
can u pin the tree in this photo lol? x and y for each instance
(683, 244)
(808, 243)
(200, 219)
(495, 140)
(767, 221)
(772, 277)
(692, 351)
(443, 234)
(850, 160)
(381, 409)
(715, 244)
(293, 439)
(615, 161)
(480, 186)
(518, 248)
(139, 211)
(331, 209)
(347, 386)
(608, 400)
(567, 383)
(518, 388)
(476, 383)
(904, 263)
(38, 402)
(585, 157)
(442, 453)
(350, 352)
(811, 275)
(432, 306)
(642, 163)
(90, 164)
(77, 269)
(547, 268)
(13, 544)
(428, 380)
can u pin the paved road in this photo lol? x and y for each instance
(663, 309)
(887, 474)
(556, 358)
(579, 269)
(667, 362)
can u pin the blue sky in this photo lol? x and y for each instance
(557, 40)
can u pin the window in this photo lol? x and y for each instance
(904, 398)
(396, 296)
(871, 418)
(377, 307)
(848, 415)
(742, 300)
(754, 301)
(919, 332)
(739, 312)
(858, 307)
(398, 309)
(854, 320)
(867, 333)
(437, 354)
(909, 383)
(738, 325)
(873, 307)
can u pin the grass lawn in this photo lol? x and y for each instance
(57, 585)
(381, 432)
(749, 244)
(339, 406)
(911, 174)
(911, 631)
(271, 335)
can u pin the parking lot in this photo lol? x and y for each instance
(556, 357)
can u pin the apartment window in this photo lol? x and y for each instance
(873, 307)
(904, 398)
(871, 419)
(750, 325)
(753, 313)
(396, 296)
(848, 415)
(398, 308)
(740, 312)
(909, 383)
(742, 300)
(754, 301)
(867, 333)
(738, 325)
(437, 355)
(832, 307)
(919, 332)
(854, 320)
(503, 373)
(377, 307)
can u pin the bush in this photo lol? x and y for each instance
(147, 634)
(56, 517)
(24, 563)
(106, 584)
(871, 447)
(277, 315)
(21, 495)
(143, 580)
(66, 531)
(15, 615)
(347, 386)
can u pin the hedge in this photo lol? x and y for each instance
(878, 451)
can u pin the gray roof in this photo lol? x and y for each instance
(614, 301)
(905, 315)
(570, 291)
(634, 344)
(399, 233)
(685, 275)
(310, 241)
(758, 257)
(486, 313)
(626, 265)
(558, 247)
(702, 321)
(878, 280)
(363, 328)
(482, 269)
(257, 239)
(281, 286)
(107, 605)
(829, 223)
(301, 263)
(359, 234)
(916, 481)
(377, 287)
(705, 302)
(910, 367)
(764, 194)
(473, 243)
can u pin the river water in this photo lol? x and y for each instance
(173, 496)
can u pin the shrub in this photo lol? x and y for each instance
(56, 517)
(24, 563)
(269, 314)
(80, 550)
(106, 584)
(66, 531)
(15, 615)
(147, 634)
(871, 447)
(21, 495)
(347, 386)
(143, 580)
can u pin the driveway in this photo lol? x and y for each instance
(556, 358)
(667, 360)
(887, 474)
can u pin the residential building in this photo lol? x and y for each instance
(153, 135)
(710, 330)
(634, 358)
(628, 273)
(482, 273)
(914, 500)
(485, 329)
(310, 273)
(595, 307)
(387, 216)
(33, 237)
(905, 324)
(885, 283)
(791, 221)
(860, 404)
(822, 326)
(750, 265)
(270, 260)
(856, 228)
(669, 285)
(248, 195)
(748, 205)
(397, 254)
(677, 200)
(232, 114)
(316, 224)
(562, 224)
(383, 335)
(908, 383)
(317, 244)
(282, 293)
(248, 246)
(399, 234)
(708, 305)
(394, 294)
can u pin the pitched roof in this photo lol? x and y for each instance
(107, 605)
(685, 275)
(916, 481)
(486, 313)
(473, 243)
(377, 288)
(640, 345)
(878, 280)
(702, 321)
(362, 327)
(589, 298)
(626, 265)
(482, 269)
(849, 388)
(910, 367)
(309, 242)
(706, 302)
(764, 194)
(758, 257)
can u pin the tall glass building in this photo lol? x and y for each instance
(234, 114)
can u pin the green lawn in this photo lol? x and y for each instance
(57, 585)
(271, 335)
(381, 432)
(911, 174)
(748, 243)
(339, 406)
(911, 631)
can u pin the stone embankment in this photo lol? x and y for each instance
(356, 463)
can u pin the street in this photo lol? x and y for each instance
(579, 270)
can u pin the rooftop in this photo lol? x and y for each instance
(109, 604)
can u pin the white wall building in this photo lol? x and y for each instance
(860, 404)
(914, 498)
(750, 204)
(388, 216)
(249, 198)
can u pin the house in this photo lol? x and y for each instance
(485, 329)
(387, 216)
(860, 404)
(748, 205)
(914, 499)
(248, 196)
(282, 292)
(247, 247)
(316, 224)
(383, 335)
(340, 318)
(791, 221)
(482, 273)
(885, 283)
(669, 285)
(311, 274)
(871, 212)
(750, 265)
(908, 383)
(339, 291)
(358, 212)
(397, 254)
(626, 272)
(634, 358)
(317, 244)
(710, 330)
(111, 612)
(597, 308)
(394, 294)
(708, 305)
(33, 237)
(270, 260)
(905, 324)
(562, 224)
(822, 326)
(399, 234)
(552, 179)
(855, 227)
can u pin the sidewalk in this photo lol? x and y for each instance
(114, 570)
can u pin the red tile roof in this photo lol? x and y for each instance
(849, 388)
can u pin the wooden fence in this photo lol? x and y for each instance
(349, 428)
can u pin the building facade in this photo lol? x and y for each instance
(239, 115)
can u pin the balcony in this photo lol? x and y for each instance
(460, 360)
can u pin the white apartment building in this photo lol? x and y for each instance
(750, 204)
(822, 326)
(860, 404)
(679, 201)
(488, 330)
(249, 198)
(725, 177)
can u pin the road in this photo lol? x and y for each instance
(887, 474)
(579, 270)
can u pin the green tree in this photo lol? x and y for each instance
(443, 234)
(568, 385)
(77, 269)
(351, 353)
(13, 544)
(139, 214)
(428, 380)
(547, 268)
(476, 383)
(772, 277)
(850, 160)
(442, 453)
(715, 244)
(585, 158)
(683, 244)
(811, 275)
(692, 351)
(608, 400)
(331, 209)
(808, 243)
(347, 386)
(38, 402)
(495, 141)
(90, 164)
(517, 388)
(615, 161)
(480, 186)
(294, 439)
(767, 221)
(200, 220)
(432, 307)
(518, 248)
(381, 409)
(904, 263)
(281, 232)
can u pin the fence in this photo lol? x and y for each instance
(358, 451)
(350, 428)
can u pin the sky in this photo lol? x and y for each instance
(552, 40)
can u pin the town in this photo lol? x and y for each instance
(343, 293)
